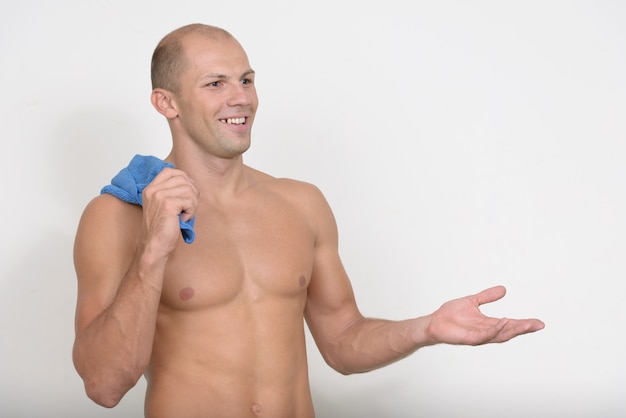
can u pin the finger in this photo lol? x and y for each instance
(489, 331)
(490, 295)
(174, 195)
(188, 210)
(170, 173)
(516, 327)
(171, 179)
(188, 199)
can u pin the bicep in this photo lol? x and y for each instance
(101, 257)
(331, 306)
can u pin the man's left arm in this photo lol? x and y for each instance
(353, 343)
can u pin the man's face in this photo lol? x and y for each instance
(217, 99)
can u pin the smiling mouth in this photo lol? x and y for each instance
(234, 121)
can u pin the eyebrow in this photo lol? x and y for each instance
(223, 76)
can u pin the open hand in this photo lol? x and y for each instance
(460, 321)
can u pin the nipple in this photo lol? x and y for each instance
(186, 293)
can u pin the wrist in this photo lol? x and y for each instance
(150, 260)
(422, 334)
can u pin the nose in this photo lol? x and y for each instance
(240, 95)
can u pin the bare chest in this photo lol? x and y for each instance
(253, 253)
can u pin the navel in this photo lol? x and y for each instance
(302, 281)
(186, 293)
(256, 409)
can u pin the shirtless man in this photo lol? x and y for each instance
(217, 326)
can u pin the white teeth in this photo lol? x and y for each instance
(234, 121)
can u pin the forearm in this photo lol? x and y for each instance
(112, 352)
(368, 344)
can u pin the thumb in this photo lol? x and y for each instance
(490, 295)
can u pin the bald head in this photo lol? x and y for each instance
(169, 60)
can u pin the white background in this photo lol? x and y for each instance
(461, 145)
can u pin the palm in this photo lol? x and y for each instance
(460, 321)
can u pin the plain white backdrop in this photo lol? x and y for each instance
(460, 144)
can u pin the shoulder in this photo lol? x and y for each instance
(310, 202)
(298, 192)
(106, 223)
(106, 208)
(283, 185)
(300, 188)
(303, 196)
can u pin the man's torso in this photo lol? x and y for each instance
(230, 337)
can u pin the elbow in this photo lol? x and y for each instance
(344, 371)
(343, 368)
(107, 393)
(350, 366)
(102, 394)
(107, 400)
(343, 357)
(340, 365)
(106, 387)
(347, 359)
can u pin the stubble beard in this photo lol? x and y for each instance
(231, 146)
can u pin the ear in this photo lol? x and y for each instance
(163, 102)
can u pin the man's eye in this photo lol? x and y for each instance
(246, 81)
(213, 84)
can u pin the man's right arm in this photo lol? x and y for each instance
(120, 255)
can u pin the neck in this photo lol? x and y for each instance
(215, 177)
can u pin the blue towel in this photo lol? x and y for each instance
(128, 184)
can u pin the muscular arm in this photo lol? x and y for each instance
(352, 343)
(120, 255)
